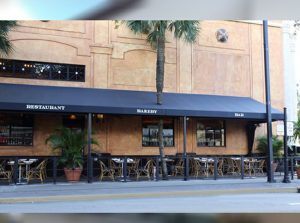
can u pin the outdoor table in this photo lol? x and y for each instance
(22, 162)
(121, 161)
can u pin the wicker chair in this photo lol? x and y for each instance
(5, 174)
(220, 167)
(146, 171)
(133, 167)
(199, 170)
(117, 167)
(106, 172)
(259, 168)
(38, 172)
(179, 168)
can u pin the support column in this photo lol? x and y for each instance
(286, 178)
(186, 168)
(268, 102)
(89, 156)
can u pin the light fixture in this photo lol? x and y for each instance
(99, 116)
(72, 117)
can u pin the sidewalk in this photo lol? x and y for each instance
(120, 190)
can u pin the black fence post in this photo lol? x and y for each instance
(292, 168)
(157, 168)
(54, 170)
(125, 169)
(15, 170)
(286, 178)
(242, 168)
(216, 160)
(92, 170)
(186, 168)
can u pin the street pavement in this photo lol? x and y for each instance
(195, 196)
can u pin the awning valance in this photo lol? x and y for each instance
(17, 97)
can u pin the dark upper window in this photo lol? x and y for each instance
(150, 132)
(16, 129)
(210, 133)
(74, 122)
(41, 70)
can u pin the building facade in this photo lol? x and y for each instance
(99, 55)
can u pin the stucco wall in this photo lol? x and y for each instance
(117, 59)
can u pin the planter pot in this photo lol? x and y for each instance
(298, 172)
(73, 175)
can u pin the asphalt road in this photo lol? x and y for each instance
(222, 196)
(258, 203)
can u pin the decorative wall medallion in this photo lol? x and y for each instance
(222, 35)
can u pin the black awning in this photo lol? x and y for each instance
(16, 97)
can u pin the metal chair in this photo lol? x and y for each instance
(106, 172)
(38, 172)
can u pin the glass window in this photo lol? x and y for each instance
(74, 122)
(150, 132)
(16, 129)
(210, 133)
(41, 70)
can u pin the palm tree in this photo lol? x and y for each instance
(5, 44)
(297, 128)
(156, 36)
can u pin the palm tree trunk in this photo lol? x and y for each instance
(160, 69)
(162, 149)
(160, 65)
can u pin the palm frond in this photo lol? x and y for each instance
(5, 44)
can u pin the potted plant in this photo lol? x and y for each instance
(277, 143)
(297, 168)
(71, 144)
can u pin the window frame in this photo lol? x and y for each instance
(214, 130)
(155, 123)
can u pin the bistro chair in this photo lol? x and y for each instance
(38, 172)
(146, 171)
(116, 167)
(233, 166)
(259, 167)
(199, 169)
(179, 168)
(220, 166)
(133, 167)
(5, 174)
(106, 172)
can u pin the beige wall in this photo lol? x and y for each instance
(122, 135)
(117, 59)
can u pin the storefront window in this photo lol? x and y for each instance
(210, 133)
(16, 130)
(150, 132)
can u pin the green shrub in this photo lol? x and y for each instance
(262, 145)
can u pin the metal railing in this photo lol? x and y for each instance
(124, 168)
